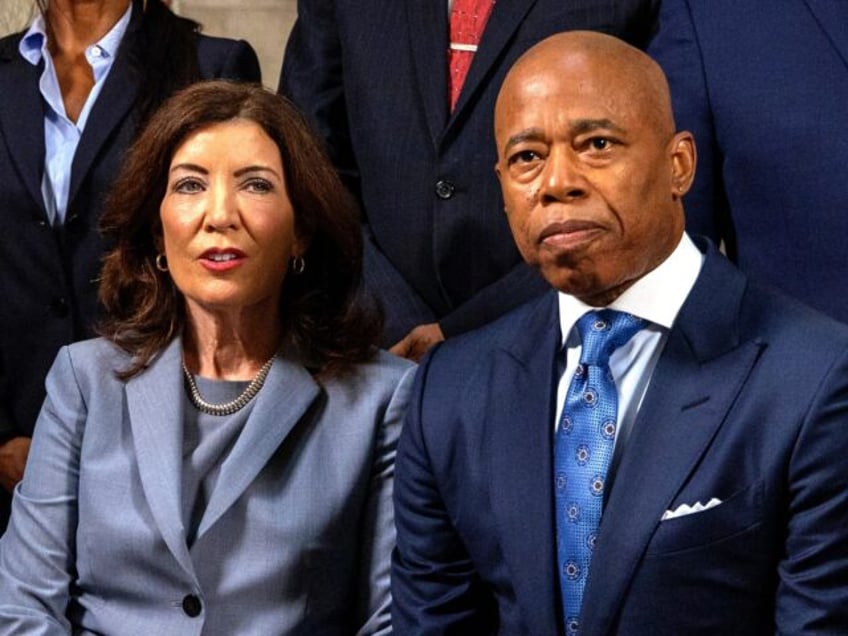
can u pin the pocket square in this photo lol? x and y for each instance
(684, 509)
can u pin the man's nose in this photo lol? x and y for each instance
(562, 177)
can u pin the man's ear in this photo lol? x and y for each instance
(683, 162)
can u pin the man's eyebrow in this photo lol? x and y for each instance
(578, 127)
(530, 134)
(582, 126)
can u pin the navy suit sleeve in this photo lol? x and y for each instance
(677, 50)
(812, 593)
(435, 587)
(311, 76)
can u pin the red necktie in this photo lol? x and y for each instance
(467, 20)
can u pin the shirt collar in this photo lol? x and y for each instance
(657, 296)
(32, 43)
(33, 46)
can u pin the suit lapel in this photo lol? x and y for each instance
(288, 392)
(22, 117)
(503, 22)
(698, 376)
(111, 109)
(155, 401)
(519, 425)
(427, 23)
(832, 16)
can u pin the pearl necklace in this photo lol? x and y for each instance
(227, 408)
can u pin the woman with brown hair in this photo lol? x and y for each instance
(73, 89)
(221, 460)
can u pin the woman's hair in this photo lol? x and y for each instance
(323, 314)
(163, 52)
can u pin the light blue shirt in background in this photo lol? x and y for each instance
(61, 135)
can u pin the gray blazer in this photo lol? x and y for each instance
(296, 538)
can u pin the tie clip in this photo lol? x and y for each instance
(457, 46)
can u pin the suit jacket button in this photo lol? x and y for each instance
(74, 224)
(191, 605)
(444, 189)
(60, 307)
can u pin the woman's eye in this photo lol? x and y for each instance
(188, 186)
(259, 185)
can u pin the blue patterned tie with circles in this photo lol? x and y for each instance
(583, 449)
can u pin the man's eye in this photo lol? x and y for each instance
(600, 143)
(525, 156)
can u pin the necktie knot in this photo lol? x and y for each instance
(602, 332)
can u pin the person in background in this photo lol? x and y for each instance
(654, 447)
(763, 88)
(73, 89)
(403, 94)
(221, 460)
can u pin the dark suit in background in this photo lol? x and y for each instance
(48, 275)
(373, 76)
(763, 86)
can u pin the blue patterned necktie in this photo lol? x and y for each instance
(583, 449)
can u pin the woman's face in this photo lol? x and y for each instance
(227, 221)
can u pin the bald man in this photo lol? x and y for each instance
(658, 445)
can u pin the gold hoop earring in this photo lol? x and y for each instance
(298, 265)
(161, 262)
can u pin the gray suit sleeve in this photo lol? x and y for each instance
(373, 612)
(37, 551)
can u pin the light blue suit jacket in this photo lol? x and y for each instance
(296, 536)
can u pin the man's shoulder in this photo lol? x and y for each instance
(781, 318)
(726, 298)
(519, 332)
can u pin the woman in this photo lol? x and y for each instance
(221, 461)
(73, 89)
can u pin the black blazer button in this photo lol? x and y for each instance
(191, 605)
(60, 307)
(74, 224)
(444, 189)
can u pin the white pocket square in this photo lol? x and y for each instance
(685, 509)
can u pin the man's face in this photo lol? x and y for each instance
(589, 177)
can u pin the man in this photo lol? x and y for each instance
(763, 87)
(709, 426)
(412, 136)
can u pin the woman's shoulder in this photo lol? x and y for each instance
(383, 373)
(95, 354)
(386, 365)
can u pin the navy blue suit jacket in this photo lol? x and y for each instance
(748, 404)
(763, 85)
(373, 77)
(48, 276)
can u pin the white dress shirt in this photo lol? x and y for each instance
(657, 298)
